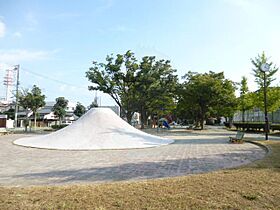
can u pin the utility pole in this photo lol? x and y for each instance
(17, 84)
(8, 82)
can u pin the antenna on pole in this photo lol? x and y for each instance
(16, 68)
(8, 82)
(96, 99)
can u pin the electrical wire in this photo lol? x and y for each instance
(52, 79)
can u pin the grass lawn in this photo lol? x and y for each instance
(255, 186)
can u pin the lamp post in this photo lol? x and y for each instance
(265, 68)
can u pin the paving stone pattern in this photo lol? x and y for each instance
(190, 154)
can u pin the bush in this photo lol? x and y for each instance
(227, 124)
(57, 127)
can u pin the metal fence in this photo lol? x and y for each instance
(257, 115)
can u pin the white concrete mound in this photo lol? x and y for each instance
(99, 128)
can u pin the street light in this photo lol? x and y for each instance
(265, 68)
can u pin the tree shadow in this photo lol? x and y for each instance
(141, 170)
(202, 141)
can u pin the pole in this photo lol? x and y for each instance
(17, 84)
(266, 128)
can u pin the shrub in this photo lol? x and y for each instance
(57, 127)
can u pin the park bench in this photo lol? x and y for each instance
(238, 139)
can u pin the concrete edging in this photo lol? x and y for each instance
(265, 147)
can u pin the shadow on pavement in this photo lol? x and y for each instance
(137, 171)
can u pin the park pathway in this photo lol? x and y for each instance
(191, 153)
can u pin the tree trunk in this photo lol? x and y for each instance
(35, 121)
(129, 116)
(202, 123)
(25, 121)
(142, 116)
(142, 121)
(122, 113)
(230, 122)
(145, 118)
(201, 118)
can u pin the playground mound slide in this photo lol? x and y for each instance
(99, 128)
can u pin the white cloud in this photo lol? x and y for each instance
(103, 5)
(63, 88)
(2, 29)
(106, 4)
(31, 21)
(4, 66)
(241, 3)
(19, 55)
(248, 6)
(30, 18)
(121, 28)
(144, 49)
(65, 15)
(17, 34)
(115, 29)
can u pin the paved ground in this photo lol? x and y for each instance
(192, 153)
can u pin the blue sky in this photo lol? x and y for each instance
(55, 41)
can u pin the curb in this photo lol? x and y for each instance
(265, 147)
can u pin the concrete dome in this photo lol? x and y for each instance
(99, 128)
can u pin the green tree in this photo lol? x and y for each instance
(10, 113)
(94, 104)
(32, 100)
(273, 99)
(116, 78)
(79, 110)
(259, 74)
(59, 108)
(145, 87)
(226, 102)
(245, 101)
(23, 102)
(273, 96)
(205, 95)
(154, 88)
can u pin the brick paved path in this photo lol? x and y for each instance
(190, 154)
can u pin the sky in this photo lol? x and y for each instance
(55, 42)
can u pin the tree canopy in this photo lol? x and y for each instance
(273, 93)
(208, 94)
(245, 101)
(143, 87)
(32, 100)
(59, 107)
(79, 110)
(93, 104)
(10, 113)
(259, 74)
(155, 87)
(116, 78)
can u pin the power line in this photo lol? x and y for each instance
(52, 79)
(32, 73)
